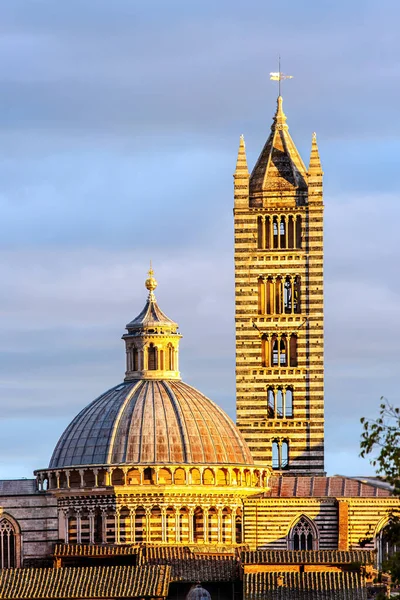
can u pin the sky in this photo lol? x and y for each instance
(119, 129)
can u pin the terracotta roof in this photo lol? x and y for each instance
(151, 422)
(364, 557)
(94, 550)
(85, 582)
(191, 567)
(303, 586)
(338, 487)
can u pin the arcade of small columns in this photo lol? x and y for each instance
(99, 476)
(170, 519)
(279, 232)
(279, 350)
(279, 294)
(151, 357)
(175, 504)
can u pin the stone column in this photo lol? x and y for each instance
(220, 525)
(96, 477)
(117, 526)
(132, 514)
(233, 526)
(177, 528)
(67, 474)
(148, 518)
(164, 524)
(104, 513)
(91, 526)
(78, 526)
(205, 525)
(81, 473)
(191, 532)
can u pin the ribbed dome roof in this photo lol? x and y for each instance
(151, 422)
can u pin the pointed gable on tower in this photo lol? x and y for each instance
(279, 167)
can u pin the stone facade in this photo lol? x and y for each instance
(33, 518)
(278, 220)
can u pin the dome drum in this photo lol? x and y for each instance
(155, 477)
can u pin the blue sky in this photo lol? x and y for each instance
(119, 128)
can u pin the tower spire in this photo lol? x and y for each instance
(315, 173)
(241, 176)
(315, 161)
(241, 163)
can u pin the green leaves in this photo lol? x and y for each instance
(380, 438)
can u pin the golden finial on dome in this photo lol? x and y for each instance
(151, 282)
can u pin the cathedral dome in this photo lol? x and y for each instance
(151, 422)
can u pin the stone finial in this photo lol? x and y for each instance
(242, 169)
(151, 282)
(315, 167)
(280, 117)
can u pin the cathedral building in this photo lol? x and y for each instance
(152, 486)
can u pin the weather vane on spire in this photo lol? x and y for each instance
(279, 76)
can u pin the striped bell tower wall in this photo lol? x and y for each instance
(278, 253)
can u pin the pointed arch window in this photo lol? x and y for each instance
(386, 545)
(303, 535)
(8, 545)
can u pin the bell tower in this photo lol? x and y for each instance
(278, 221)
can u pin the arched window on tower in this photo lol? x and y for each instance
(260, 231)
(290, 232)
(303, 535)
(267, 233)
(275, 455)
(289, 402)
(282, 232)
(296, 295)
(275, 226)
(288, 295)
(274, 351)
(8, 549)
(279, 403)
(293, 350)
(298, 231)
(264, 350)
(261, 296)
(271, 402)
(280, 454)
(283, 353)
(152, 358)
(284, 454)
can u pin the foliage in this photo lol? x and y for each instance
(381, 439)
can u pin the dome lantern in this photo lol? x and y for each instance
(152, 341)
